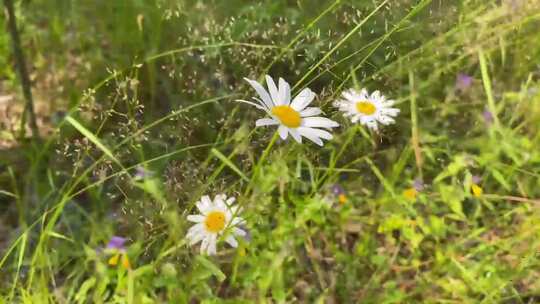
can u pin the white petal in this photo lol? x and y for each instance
(196, 218)
(296, 135)
(266, 122)
(372, 124)
(311, 111)
(235, 210)
(195, 230)
(253, 104)
(238, 221)
(390, 111)
(283, 132)
(261, 91)
(204, 205)
(375, 95)
(316, 132)
(195, 238)
(212, 240)
(388, 103)
(310, 136)
(349, 94)
(232, 241)
(220, 196)
(230, 201)
(239, 232)
(319, 122)
(284, 92)
(364, 94)
(386, 120)
(353, 95)
(272, 89)
(204, 244)
(303, 99)
(219, 202)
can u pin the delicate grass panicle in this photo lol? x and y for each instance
(392, 158)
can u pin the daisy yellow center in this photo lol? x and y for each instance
(215, 221)
(288, 116)
(365, 107)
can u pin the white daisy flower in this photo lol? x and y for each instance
(368, 109)
(293, 117)
(216, 217)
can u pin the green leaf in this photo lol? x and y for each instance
(83, 291)
(208, 265)
(453, 197)
(500, 178)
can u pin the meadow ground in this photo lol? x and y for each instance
(138, 119)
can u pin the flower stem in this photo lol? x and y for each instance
(261, 160)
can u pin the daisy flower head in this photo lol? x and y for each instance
(292, 116)
(368, 109)
(216, 216)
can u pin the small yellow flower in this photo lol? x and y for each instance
(476, 190)
(342, 198)
(125, 261)
(410, 193)
(117, 248)
(113, 261)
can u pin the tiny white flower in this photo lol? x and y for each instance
(293, 116)
(216, 216)
(366, 108)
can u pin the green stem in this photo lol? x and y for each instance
(23, 73)
(261, 160)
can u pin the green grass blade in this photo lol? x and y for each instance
(339, 44)
(88, 134)
(229, 164)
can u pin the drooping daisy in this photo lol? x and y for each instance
(216, 217)
(293, 116)
(366, 108)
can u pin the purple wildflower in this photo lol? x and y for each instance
(418, 185)
(119, 255)
(116, 242)
(337, 189)
(142, 173)
(476, 179)
(463, 82)
(488, 117)
(339, 192)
